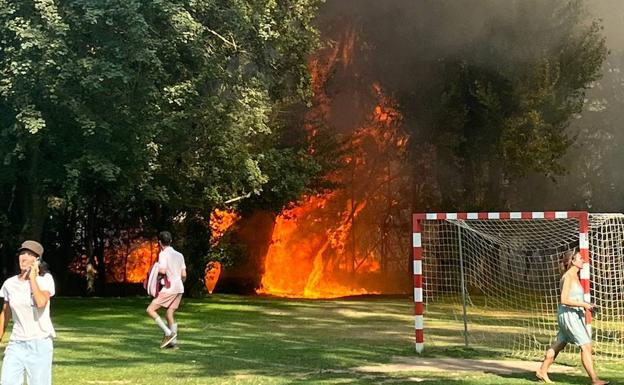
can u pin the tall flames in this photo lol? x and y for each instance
(338, 243)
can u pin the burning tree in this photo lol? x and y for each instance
(346, 241)
(481, 107)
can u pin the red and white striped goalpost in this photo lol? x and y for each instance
(418, 219)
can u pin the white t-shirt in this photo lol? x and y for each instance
(173, 262)
(29, 322)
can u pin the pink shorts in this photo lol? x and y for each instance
(170, 301)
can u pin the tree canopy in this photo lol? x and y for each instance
(150, 114)
(135, 115)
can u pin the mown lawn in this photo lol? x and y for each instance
(227, 339)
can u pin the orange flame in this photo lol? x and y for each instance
(315, 251)
(125, 262)
(329, 246)
(220, 222)
(130, 265)
(307, 261)
(128, 259)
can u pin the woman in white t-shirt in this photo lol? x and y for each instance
(27, 302)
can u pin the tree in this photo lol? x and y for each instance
(145, 114)
(487, 88)
(504, 103)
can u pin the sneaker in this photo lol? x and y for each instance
(167, 340)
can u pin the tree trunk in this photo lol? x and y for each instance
(99, 255)
(494, 193)
(60, 266)
(34, 202)
(196, 246)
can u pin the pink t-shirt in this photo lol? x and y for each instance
(173, 262)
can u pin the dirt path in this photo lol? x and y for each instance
(415, 364)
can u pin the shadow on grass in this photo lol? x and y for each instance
(230, 336)
(559, 378)
(279, 340)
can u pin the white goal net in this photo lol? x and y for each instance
(494, 283)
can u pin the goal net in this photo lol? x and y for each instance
(492, 280)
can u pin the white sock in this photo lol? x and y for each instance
(162, 325)
(174, 328)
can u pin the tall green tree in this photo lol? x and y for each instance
(501, 106)
(133, 113)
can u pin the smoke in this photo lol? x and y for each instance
(611, 13)
(380, 75)
(594, 180)
(403, 43)
(401, 35)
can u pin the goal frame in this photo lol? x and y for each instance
(418, 219)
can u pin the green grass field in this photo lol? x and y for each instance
(228, 339)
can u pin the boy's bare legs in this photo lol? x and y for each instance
(151, 310)
(170, 318)
(169, 334)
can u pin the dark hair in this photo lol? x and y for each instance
(566, 260)
(165, 238)
(43, 268)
